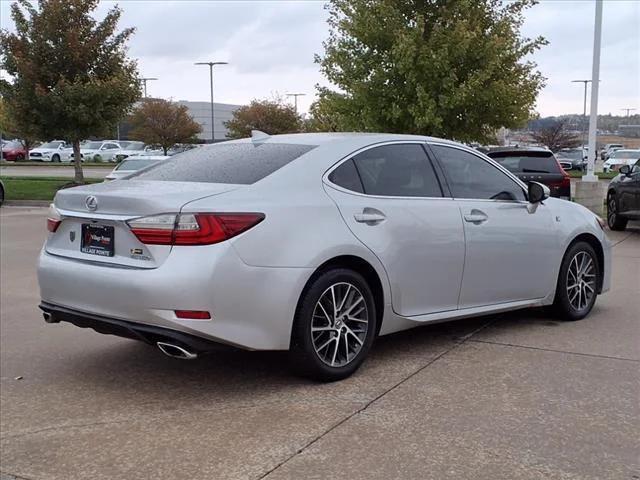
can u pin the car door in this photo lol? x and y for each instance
(509, 251)
(391, 198)
(629, 191)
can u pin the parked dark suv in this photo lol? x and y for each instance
(534, 164)
(623, 197)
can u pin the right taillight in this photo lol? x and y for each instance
(53, 219)
(192, 228)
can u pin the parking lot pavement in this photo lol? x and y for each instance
(50, 171)
(517, 395)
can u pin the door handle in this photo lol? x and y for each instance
(369, 216)
(476, 217)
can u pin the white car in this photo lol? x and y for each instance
(608, 149)
(621, 157)
(316, 244)
(98, 151)
(53, 151)
(132, 164)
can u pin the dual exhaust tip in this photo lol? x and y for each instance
(169, 349)
(175, 351)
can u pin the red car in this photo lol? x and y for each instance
(13, 151)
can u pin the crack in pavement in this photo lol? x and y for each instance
(592, 355)
(457, 344)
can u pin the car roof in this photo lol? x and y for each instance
(518, 149)
(322, 138)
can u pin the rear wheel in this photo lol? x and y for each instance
(334, 327)
(56, 158)
(19, 157)
(614, 220)
(577, 287)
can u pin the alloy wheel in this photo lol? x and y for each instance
(581, 280)
(339, 325)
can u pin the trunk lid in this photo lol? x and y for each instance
(97, 214)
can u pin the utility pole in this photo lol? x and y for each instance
(584, 107)
(295, 99)
(627, 110)
(211, 65)
(595, 77)
(144, 83)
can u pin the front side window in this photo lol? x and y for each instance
(400, 170)
(470, 176)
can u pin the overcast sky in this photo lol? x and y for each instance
(270, 47)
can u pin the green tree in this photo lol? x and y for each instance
(70, 76)
(165, 123)
(270, 116)
(450, 68)
(10, 128)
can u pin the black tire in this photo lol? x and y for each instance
(304, 358)
(55, 158)
(1, 195)
(614, 220)
(564, 304)
(19, 157)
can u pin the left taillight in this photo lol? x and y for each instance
(53, 219)
(192, 228)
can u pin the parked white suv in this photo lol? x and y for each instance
(98, 151)
(52, 151)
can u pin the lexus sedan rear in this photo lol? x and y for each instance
(316, 244)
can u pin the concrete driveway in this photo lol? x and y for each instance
(514, 396)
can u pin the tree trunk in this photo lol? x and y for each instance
(77, 162)
(165, 149)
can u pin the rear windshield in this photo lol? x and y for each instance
(527, 162)
(237, 163)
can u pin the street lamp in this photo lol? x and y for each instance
(584, 108)
(211, 64)
(295, 99)
(144, 83)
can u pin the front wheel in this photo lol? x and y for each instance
(334, 326)
(614, 220)
(577, 287)
(55, 158)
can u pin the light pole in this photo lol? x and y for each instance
(295, 99)
(144, 81)
(211, 64)
(595, 77)
(584, 108)
(627, 110)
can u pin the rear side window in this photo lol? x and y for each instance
(235, 163)
(346, 176)
(401, 170)
(527, 162)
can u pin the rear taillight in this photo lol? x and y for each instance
(192, 228)
(53, 219)
(193, 314)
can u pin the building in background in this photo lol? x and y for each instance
(201, 113)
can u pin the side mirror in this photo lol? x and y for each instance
(538, 192)
(625, 170)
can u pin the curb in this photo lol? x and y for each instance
(27, 203)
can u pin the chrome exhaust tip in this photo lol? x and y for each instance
(49, 318)
(174, 351)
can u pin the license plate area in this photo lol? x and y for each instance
(97, 240)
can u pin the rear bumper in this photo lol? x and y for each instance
(122, 328)
(251, 307)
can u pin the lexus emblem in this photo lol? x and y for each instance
(91, 203)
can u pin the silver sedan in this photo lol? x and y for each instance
(316, 244)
